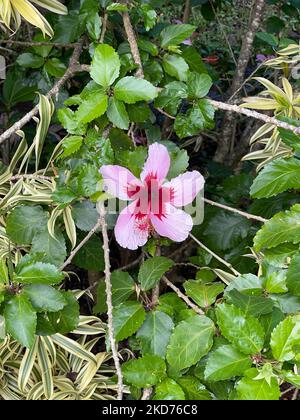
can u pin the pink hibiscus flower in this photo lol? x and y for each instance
(154, 201)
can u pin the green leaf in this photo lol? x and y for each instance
(29, 60)
(248, 284)
(283, 227)
(92, 107)
(24, 222)
(67, 319)
(204, 295)
(117, 7)
(44, 298)
(85, 215)
(90, 256)
(245, 332)
(145, 371)
(250, 305)
(179, 163)
(194, 389)
(54, 249)
(38, 273)
(290, 138)
(278, 176)
(251, 389)
(2, 328)
(293, 276)
(175, 66)
(155, 333)
(71, 145)
(69, 121)
(226, 230)
(55, 67)
(117, 114)
(276, 282)
(123, 287)
(169, 390)
(128, 318)
(225, 363)
(20, 320)
(105, 68)
(131, 90)
(198, 85)
(267, 38)
(152, 270)
(175, 34)
(171, 97)
(285, 339)
(191, 340)
(4, 278)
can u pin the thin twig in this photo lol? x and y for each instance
(253, 114)
(73, 68)
(38, 44)
(133, 44)
(109, 301)
(104, 27)
(221, 260)
(182, 296)
(80, 245)
(233, 210)
(147, 392)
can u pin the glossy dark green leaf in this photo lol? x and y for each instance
(145, 371)
(152, 270)
(44, 298)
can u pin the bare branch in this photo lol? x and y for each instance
(109, 301)
(217, 257)
(233, 210)
(182, 296)
(73, 68)
(133, 44)
(253, 114)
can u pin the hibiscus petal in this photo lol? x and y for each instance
(175, 224)
(158, 162)
(185, 187)
(131, 233)
(117, 180)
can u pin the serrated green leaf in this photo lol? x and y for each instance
(128, 318)
(155, 332)
(20, 320)
(117, 114)
(250, 305)
(278, 176)
(38, 273)
(226, 230)
(194, 389)
(92, 107)
(245, 332)
(71, 145)
(169, 390)
(131, 90)
(105, 66)
(54, 249)
(198, 85)
(225, 363)
(293, 276)
(203, 294)
(285, 339)
(24, 222)
(152, 270)
(249, 388)
(44, 298)
(67, 319)
(145, 371)
(283, 227)
(175, 66)
(175, 34)
(191, 340)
